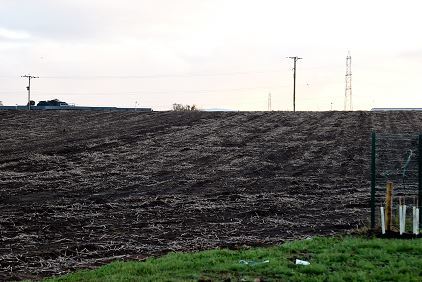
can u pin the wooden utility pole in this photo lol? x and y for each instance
(29, 88)
(295, 59)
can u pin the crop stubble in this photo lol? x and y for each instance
(80, 189)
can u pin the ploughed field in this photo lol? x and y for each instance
(80, 189)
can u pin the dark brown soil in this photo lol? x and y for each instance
(80, 189)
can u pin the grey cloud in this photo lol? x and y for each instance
(13, 35)
(50, 19)
(412, 54)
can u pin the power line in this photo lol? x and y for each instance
(157, 92)
(295, 59)
(168, 75)
(29, 88)
(152, 76)
(7, 77)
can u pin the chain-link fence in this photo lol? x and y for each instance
(396, 159)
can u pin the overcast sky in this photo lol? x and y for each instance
(214, 53)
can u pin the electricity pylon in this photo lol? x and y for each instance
(348, 105)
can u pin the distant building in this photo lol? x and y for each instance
(1, 103)
(395, 109)
(56, 104)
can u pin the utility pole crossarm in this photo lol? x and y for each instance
(29, 88)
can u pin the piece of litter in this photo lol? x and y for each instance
(302, 262)
(252, 262)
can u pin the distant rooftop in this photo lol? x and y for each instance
(218, 110)
(77, 108)
(395, 109)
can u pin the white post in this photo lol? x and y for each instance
(417, 221)
(401, 219)
(414, 220)
(402, 216)
(382, 220)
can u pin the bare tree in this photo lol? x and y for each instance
(184, 108)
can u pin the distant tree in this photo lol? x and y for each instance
(54, 102)
(32, 103)
(184, 108)
(178, 107)
(1, 103)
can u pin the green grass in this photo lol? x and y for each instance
(332, 259)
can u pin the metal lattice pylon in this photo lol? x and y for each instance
(348, 105)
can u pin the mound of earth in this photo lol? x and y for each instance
(80, 189)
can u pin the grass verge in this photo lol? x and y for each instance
(331, 259)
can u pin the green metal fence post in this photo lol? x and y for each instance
(373, 175)
(420, 176)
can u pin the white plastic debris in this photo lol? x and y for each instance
(253, 262)
(302, 262)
